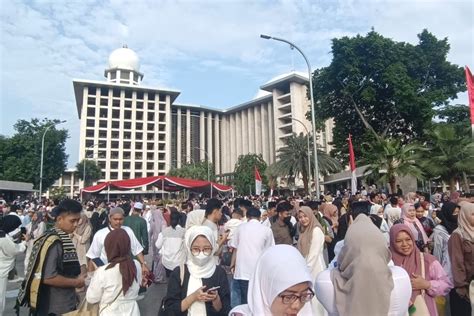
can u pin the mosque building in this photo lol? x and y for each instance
(134, 130)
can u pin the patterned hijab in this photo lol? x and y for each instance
(412, 222)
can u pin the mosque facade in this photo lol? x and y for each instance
(133, 130)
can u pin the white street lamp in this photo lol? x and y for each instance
(313, 119)
(42, 155)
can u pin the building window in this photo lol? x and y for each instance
(116, 114)
(102, 134)
(140, 95)
(128, 115)
(116, 93)
(103, 124)
(162, 127)
(128, 93)
(102, 154)
(116, 103)
(139, 146)
(139, 105)
(138, 155)
(139, 126)
(162, 107)
(113, 175)
(151, 116)
(162, 97)
(104, 92)
(150, 156)
(139, 115)
(104, 101)
(150, 136)
(91, 91)
(102, 174)
(126, 175)
(161, 137)
(162, 117)
(150, 165)
(127, 135)
(151, 96)
(161, 147)
(115, 124)
(115, 145)
(91, 101)
(139, 136)
(114, 155)
(151, 106)
(128, 104)
(138, 174)
(138, 165)
(127, 145)
(113, 75)
(89, 142)
(90, 111)
(126, 155)
(115, 135)
(161, 156)
(161, 166)
(103, 113)
(126, 165)
(90, 123)
(127, 125)
(101, 164)
(150, 146)
(151, 126)
(114, 165)
(90, 133)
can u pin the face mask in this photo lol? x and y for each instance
(201, 259)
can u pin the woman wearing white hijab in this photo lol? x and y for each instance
(204, 285)
(281, 285)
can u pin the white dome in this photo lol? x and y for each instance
(124, 58)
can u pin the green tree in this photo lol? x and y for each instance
(244, 172)
(450, 154)
(194, 170)
(388, 159)
(93, 171)
(292, 160)
(455, 115)
(21, 153)
(58, 193)
(376, 88)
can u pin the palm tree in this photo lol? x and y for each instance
(292, 160)
(387, 159)
(450, 155)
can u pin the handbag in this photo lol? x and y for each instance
(163, 311)
(420, 307)
(88, 309)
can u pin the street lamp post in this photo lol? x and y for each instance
(42, 155)
(208, 173)
(309, 151)
(313, 119)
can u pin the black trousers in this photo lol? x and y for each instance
(459, 306)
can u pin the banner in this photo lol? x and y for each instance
(470, 93)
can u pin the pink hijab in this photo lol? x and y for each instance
(412, 262)
(411, 222)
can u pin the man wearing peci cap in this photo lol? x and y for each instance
(96, 253)
(138, 225)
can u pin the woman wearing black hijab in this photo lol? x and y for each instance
(448, 217)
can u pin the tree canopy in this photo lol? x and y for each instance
(93, 171)
(376, 88)
(244, 172)
(21, 153)
(194, 170)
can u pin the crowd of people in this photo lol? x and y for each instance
(366, 254)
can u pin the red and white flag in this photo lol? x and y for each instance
(258, 182)
(352, 164)
(470, 92)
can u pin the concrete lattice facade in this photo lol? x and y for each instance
(137, 131)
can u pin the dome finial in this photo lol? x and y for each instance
(124, 46)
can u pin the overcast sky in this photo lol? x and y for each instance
(208, 50)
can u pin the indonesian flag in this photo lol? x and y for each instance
(258, 182)
(470, 92)
(352, 164)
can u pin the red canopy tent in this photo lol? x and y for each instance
(169, 184)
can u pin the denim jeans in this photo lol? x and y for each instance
(235, 298)
(243, 286)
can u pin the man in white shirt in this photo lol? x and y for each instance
(97, 249)
(249, 242)
(392, 211)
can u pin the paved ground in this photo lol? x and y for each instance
(148, 306)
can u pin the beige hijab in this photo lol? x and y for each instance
(306, 233)
(363, 273)
(465, 229)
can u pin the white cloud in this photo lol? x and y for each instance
(44, 44)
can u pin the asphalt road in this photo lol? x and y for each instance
(149, 305)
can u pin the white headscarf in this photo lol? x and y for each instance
(279, 268)
(199, 271)
(195, 218)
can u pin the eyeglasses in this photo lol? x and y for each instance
(288, 299)
(205, 251)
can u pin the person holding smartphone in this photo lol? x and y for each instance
(203, 284)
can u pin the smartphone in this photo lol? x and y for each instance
(212, 289)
